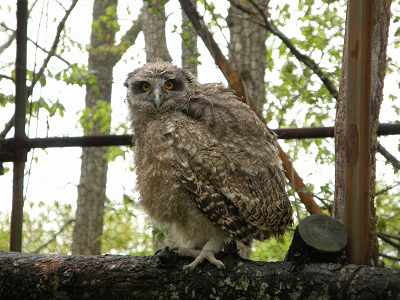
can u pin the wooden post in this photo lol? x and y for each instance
(357, 129)
(20, 110)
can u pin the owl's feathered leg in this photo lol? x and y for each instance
(213, 246)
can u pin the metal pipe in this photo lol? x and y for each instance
(20, 111)
(358, 129)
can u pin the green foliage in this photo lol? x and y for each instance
(388, 211)
(6, 99)
(51, 108)
(76, 74)
(106, 23)
(41, 223)
(97, 118)
(121, 233)
(271, 250)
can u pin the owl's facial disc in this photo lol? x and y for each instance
(157, 89)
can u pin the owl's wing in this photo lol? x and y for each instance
(232, 169)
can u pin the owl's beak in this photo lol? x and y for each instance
(157, 98)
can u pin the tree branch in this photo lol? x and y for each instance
(389, 157)
(6, 77)
(54, 237)
(24, 276)
(7, 43)
(37, 45)
(128, 38)
(236, 83)
(389, 257)
(389, 241)
(39, 74)
(230, 74)
(7, 128)
(12, 36)
(53, 49)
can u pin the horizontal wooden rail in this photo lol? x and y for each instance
(7, 146)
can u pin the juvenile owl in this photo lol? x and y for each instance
(207, 167)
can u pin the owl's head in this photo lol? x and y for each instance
(156, 87)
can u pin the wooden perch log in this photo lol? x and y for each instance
(24, 276)
(318, 239)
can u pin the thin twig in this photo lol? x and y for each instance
(391, 236)
(38, 75)
(7, 128)
(389, 241)
(37, 45)
(53, 48)
(54, 236)
(6, 77)
(389, 257)
(11, 38)
(128, 38)
(387, 189)
(389, 157)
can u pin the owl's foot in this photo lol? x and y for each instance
(205, 255)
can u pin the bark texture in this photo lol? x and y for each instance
(92, 185)
(103, 55)
(154, 20)
(190, 54)
(247, 52)
(161, 277)
(381, 15)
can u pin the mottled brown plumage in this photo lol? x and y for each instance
(206, 165)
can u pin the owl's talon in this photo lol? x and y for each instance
(205, 255)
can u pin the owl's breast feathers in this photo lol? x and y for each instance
(224, 160)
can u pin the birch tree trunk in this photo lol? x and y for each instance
(154, 31)
(104, 53)
(378, 67)
(247, 52)
(92, 185)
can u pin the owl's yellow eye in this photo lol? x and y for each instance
(146, 86)
(169, 85)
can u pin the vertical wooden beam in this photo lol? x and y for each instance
(20, 111)
(357, 129)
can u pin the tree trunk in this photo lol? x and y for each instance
(190, 53)
(247, 52)
(154, 31)
(92, 185)
(378, 66)
(161, 277)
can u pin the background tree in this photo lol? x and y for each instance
(379, 40)
(190, 54)
(247, 51)
(154, 31)
(104, 53)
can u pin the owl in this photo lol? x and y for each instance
(207, 167)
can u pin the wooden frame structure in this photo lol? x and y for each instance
(15, 149)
